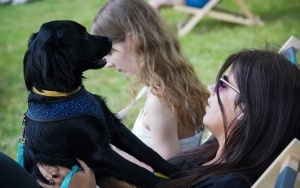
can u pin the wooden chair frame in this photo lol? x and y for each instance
(290, 156)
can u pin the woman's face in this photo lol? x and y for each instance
(122, 59)
(228, 90)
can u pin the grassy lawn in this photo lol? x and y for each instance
(209, 43)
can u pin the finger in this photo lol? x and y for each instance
(44, 172)
(55, 174)
(63, 171)
(44, 185)
(86, 176)
(84, 166)
(61, 174)
(50, 169)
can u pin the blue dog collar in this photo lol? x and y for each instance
(81, 103)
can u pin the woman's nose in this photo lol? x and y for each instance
(211, 89)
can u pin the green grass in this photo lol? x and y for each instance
(209, 43)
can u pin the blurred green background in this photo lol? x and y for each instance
(206, 46)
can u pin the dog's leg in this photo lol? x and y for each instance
(125, 140)
(124, 170)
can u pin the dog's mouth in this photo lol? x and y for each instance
(98, 64)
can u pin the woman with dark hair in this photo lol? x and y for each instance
(253, 112)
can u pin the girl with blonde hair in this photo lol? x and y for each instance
(143, 47)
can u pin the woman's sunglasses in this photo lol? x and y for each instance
(222, 83)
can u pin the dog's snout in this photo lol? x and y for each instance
(109, 40)
(106, 39)
(108, 44)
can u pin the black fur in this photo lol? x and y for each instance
(56, 58)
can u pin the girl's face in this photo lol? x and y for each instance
(122, 59)
(228, 90)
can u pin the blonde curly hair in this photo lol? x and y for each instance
(161, 64)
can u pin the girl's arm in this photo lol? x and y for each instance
(163, 125)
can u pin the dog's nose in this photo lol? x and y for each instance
(110, 41)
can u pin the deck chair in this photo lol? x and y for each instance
(290, 48)
(211, 10)
(122, 113)
(284, 171)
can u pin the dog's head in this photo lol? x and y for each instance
(59, 53)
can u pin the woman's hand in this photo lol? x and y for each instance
(54, 174)
(84, 178)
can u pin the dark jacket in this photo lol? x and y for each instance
(12, 175)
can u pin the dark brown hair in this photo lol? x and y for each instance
(270, 96)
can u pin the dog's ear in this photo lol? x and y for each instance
(48, 63)
(26, 61)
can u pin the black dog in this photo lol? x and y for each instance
(64, 121)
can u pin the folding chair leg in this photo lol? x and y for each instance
(197, 17)
(183, 22)
(246, 10)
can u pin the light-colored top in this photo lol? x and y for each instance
(145, 135)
